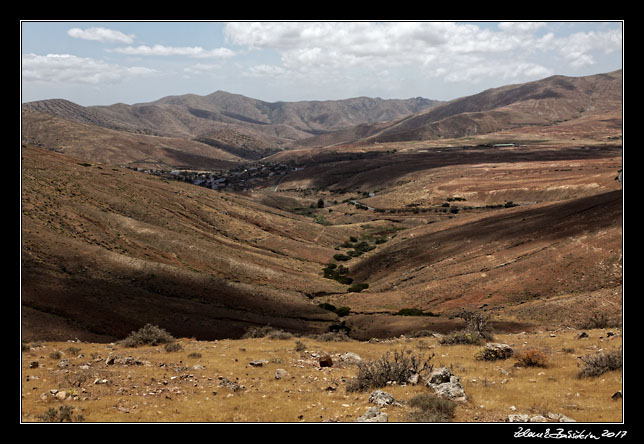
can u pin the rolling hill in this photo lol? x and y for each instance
(233, 126)
(106, 248)
(545, 103)
(531, 230)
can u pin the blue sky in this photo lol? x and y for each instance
(102, 63)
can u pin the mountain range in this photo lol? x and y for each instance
(417, 199)
(213, 131)
(244, 128)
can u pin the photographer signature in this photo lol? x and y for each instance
(567, 434)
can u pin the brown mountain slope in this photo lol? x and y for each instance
(571, 248)
(245, 127)
(542, 103)
(106, 250)
(100, 144)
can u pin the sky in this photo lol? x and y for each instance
(103, 63)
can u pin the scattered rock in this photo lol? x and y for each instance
(280, 373)
(63, 363)
(350, 358)
(550, 417)
(617, 395)
(446, 385)
(381, 398)
(558, 417)
(230, 385)
(582, 335)
(257, 362)
(373, 415)
(33, 364)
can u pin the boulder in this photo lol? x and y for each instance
(373, 415)
(446, 385)
(381, 398)
(350, 358)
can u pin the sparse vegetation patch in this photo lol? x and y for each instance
(148, 335)
(600, 363)
(398, 367)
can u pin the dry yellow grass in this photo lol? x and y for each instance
(197, 383)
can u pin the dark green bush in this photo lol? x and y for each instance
(413, 312)
(357, 288)
(327, 306)
(342, 311)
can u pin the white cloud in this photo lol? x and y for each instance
(189, 51)
(66, 68)
(265, 71)
(454, 52)
(578, 49)
(521, 27)
(100, 35)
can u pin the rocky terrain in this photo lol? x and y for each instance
(287, 379)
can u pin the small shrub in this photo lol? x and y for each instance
(342, 311)
(332, 336)
(171, 347)
(194, 355)
(413, 312)
(430, 408)
(63, 414)
(478, 323)
(600, 363)
(279, 334)
(493, 353)
(327, 306)
(147, 335)
(399, 369)
(357, 288)
(74, 351)
(341, 257)
(257, 332)
(299, 346)
(462, 337)
(532, 358)
(55, 355)
(599, 320)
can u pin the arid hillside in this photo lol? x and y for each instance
(231, 124)
(523, 222)
(105, 249)
(547, 103)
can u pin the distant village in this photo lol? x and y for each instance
(240, 178)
